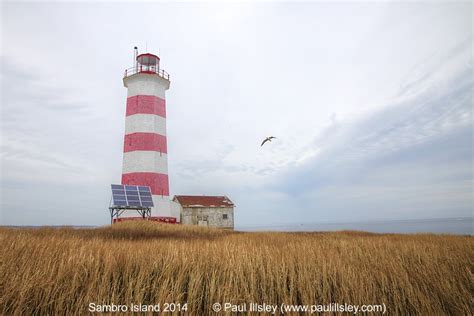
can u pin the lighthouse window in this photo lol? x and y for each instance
(224, 216)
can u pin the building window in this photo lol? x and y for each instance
(224, 216)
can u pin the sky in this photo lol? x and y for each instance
(371, 104)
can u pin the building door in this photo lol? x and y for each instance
(202, 220)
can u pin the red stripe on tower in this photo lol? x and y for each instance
(145, 141)
(156, 181)
(146, 104)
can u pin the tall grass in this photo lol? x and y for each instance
(61, 271)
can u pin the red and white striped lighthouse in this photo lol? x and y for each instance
(145, 160)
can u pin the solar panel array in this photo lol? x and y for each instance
(131, 195)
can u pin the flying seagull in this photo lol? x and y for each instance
(268, 139)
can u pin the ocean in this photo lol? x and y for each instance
(456, 226)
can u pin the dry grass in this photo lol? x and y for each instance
(60, 271)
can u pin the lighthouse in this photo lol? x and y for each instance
(145, 153)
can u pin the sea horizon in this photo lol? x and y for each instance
(450, 225)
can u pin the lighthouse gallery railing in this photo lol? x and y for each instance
(147, 70)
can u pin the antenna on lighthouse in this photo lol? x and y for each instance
(135, 54)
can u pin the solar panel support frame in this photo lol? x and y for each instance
(116, 211)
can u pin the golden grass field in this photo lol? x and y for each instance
(61, 271)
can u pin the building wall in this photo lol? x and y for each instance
(208, 216)
(176, 210)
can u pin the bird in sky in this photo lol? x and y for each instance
(268, 139)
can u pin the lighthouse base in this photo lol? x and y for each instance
(168, 220)
(163, 208)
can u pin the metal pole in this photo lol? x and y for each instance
(135, 54)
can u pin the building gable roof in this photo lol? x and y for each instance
(203, 201)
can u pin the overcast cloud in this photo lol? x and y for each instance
(371, 103)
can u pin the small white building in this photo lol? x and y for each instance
(212, 211)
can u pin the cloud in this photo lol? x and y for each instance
(43, 129)
(413, 154)
(372, 112)
(408, 158)
(47, 157)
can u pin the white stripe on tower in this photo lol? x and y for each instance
(145, 123)
(145, 160)
(148, 86)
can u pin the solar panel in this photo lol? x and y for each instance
(131, 195)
